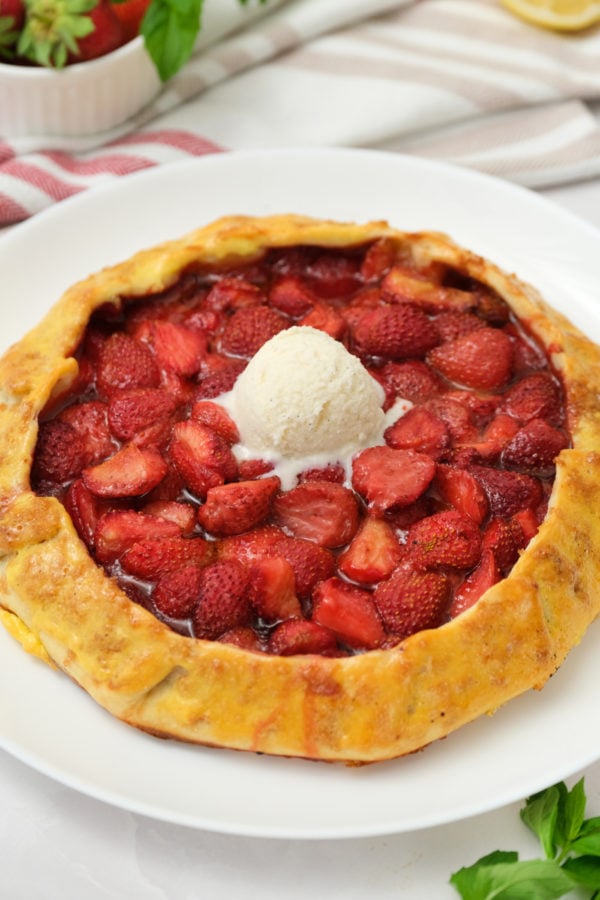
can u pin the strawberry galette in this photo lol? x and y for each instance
(300, 487)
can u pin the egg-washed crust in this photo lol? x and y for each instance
(377, 705)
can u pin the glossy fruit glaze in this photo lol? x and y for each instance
(345, 561)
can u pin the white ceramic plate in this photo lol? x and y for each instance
(534, 741)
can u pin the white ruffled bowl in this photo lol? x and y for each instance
(81, 99)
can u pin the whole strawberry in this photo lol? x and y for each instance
(59, 32)
(130, 13)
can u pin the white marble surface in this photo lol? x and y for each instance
(57, 843)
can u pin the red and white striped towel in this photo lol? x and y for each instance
(458, 80)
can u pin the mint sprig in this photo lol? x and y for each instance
(571, 848)
(170, 29)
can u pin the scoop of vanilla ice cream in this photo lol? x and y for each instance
(303, 394)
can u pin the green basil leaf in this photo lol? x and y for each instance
(587, 845)
(543, 879)
(540, 814)
(584, 870)
(469, 881)
(573, 811)
(590, 826)
(170, 29)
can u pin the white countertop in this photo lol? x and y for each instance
(57, 843)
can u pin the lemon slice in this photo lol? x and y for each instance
(558, 15)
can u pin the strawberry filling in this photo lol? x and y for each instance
(353, 556)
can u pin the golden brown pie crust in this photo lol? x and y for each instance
(373, 706)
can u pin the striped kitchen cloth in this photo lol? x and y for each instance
(456, 80)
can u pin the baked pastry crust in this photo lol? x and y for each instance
(376, 705)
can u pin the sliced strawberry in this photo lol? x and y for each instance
(475, 584)
(534, 448)
(85, 510)
(298, 636)
(176, 593)
(529, 357)
(201, 456)
(396, 332)
(462, 491)
(537, 396)
(90, 421)
(257, 543)
(177, 348)
(183, 514)
(310, 562)
(507, 492)
(249, 328)
(152, 555)
(291, 296)
(59, 455)
(181, 389)
(457, 417)
(365, 300)
(389, 478)
(236, 507)
(373, 554)
(170, 488)
(325, 318)
(243, 637)
(333, 472)
(503, 538)
(349, 612)
(378, 259)
(223, 600)
(119, 530)
(447, 538)
(272, 589)
(404, 516)
(481, 359)
(481, 406)
(333, 275)
(413, 380)
(500, 430)
(140, 410)
(318, 511)
(125, 362)
(526, 523)
(233, 293)
(410, 601)
(452, 324)
(253, 468)
(217, 418)
(421, 430)
(131, 472)
(221, 380)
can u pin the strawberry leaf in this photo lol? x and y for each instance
(8, 36)
(52, 30)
